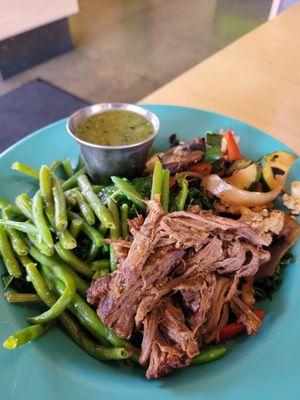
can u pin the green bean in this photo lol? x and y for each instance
(50, 220)
(85, 314)
(80, 164)
(93, 251)
(113, 208)
(39, 283)
(25, 169)
(165, 190)
(6, 204)
(129, 191)
(209, 354)
(73, 261)
(65, 298)
(25, 260)
(156, 181)
(70, 197)
(91, 321)
(181, 197)
(8, 256)
(93, 324)
(89, 230)
(96, 204)
(67, 166)
(100, 273)
(55, 165)
(124, 218)
(21, 297)
(6, 213)
(60, 208)
(25, 227)
(10, 210)
(86, 211)
(67, 240)
(37, 242)
(71, 326)
(99, 265)
(72, 182)
(24, 204)
(81, 284)
(95, 350)
(103, 272)
(24, 336)
(46, 191)
(103, 230)
(114, 233)
(18, 244)
(40, 220)
(75, 227)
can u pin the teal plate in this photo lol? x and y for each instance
(53, 367)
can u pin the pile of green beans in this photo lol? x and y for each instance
(41, 237)
(160, 185)
(41, 240)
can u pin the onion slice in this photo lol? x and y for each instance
(232, 195)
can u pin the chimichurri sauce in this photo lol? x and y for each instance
(115, 128)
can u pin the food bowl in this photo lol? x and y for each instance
(102, 162)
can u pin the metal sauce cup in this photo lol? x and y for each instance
(102, 162)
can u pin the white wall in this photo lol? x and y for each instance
(18, 16)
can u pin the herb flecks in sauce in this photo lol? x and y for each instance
(115, 128)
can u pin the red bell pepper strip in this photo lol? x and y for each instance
(233, 151)
(231, 330)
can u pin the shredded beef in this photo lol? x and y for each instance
(209, 222)
(266, 223)
(219, 300)
(289, 235)
(174, 326)
(165, 357)
(245, 315)
(181, 275)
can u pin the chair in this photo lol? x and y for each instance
(280, 5)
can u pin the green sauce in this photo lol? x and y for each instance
(115, 128)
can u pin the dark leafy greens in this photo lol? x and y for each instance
(265, 288)
(143, 186)
(196, 196)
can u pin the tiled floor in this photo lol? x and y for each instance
(125, 49)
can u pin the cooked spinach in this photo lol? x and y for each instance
(196, 196)
(264, 288)
(143, 185)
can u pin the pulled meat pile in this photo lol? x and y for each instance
(180, 276)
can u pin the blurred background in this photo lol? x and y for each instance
(56, 56)
(118, 50)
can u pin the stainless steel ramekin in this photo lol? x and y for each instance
(102, 162)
